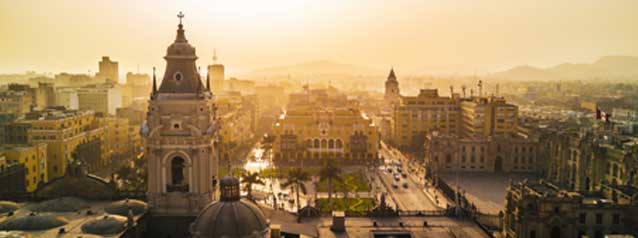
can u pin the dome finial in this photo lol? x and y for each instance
(180, 29)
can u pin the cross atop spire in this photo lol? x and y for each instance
(180, 15)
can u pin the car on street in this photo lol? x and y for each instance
(405, 184)
(395, 185)
(397, 177)
(404, 175)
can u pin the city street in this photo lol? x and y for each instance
(408, 191)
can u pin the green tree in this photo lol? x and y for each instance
(249, 179)
(297, 178)
(330, 172)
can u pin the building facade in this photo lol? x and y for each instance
(179, 134)
(541, 209)
(487, 116)
(34, 160)
(323, 124)
(416, 116)
(61, 130)
(108, 70)
(502, 153)
(102, 98)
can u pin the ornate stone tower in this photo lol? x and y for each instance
(180, 132)
(392, 94)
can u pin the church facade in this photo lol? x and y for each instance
(180, 135)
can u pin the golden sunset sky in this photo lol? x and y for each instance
(413, 35)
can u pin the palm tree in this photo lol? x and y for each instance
(297, 178)
(249, 179)
(330, 172)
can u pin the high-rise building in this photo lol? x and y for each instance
(415, 116)
(216, 74)
(108, 70)
(486, 116)
(180, 133)
(102, 98)
(67, 97)
(392, 93)
(45, 95)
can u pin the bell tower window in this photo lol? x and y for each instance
(177, 76)
(178, 182)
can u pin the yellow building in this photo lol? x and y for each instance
(486, 116)
(415, 116)
(323, 124)
(62, 130)
(116, 134)
(32, 157)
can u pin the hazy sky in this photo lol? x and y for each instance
(412, 35)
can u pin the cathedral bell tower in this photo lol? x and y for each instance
(180, 132)
(392, 94)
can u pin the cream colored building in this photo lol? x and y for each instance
(180, 134)
(486, 116)
(415, 116)
(499, 153)
(323, 124)
(102, 98)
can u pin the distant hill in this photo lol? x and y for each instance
(319, 67)
(605, 67)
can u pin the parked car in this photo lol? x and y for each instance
(405, 184)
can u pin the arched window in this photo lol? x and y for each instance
(316, 143)
(309, 143)
(331, 144)
(339, 144)
(324, 143)
(177, 170)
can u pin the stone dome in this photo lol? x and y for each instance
(63, 204)
(7, 206)
(241, 219)
(121, 207)
(14, 234)
(106, 225)
(33, 222)
(231, 216)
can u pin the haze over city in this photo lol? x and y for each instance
(419, 37)
(319, 119)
